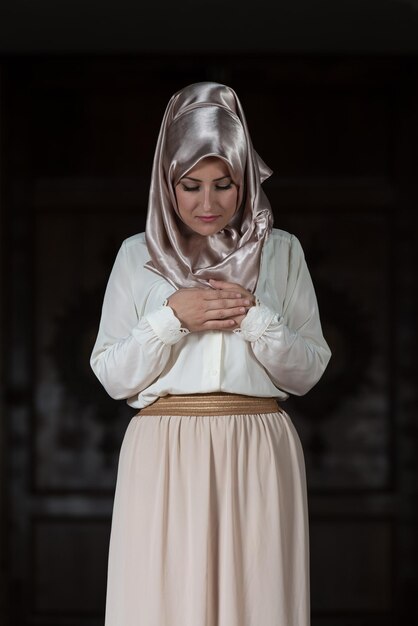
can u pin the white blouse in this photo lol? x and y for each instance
(141, 351)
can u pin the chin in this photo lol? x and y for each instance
(208, 230)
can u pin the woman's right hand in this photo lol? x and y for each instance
(208, 309)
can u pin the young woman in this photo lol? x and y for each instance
(209, 319)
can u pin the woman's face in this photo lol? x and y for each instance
(207, 196)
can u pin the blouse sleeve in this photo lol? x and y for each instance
(131, 350)
(290, 345)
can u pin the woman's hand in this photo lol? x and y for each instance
(210, 309)
(223, 285)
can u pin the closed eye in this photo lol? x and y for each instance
(217, 187)
(190, 188)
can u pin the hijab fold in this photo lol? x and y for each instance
(206, 119)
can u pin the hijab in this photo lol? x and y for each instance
(202, 120)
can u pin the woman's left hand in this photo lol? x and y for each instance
(222, 284)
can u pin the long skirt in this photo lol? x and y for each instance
(210, 521)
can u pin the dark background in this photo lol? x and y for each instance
(330, 91)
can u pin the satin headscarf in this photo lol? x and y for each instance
(206, 119)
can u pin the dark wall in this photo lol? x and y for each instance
(77, 141)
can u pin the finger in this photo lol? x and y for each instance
(223, 284)
(213, 305)
(228, 324)
(213, 294)
(225, 300)
(220, 314)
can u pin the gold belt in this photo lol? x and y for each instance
(218, 403)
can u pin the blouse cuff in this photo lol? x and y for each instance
(166, 325)
(255, 323)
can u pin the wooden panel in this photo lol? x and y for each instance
(79, 128)
(345, 422)
(321, 132)
(70, 565)
(352, 566)
(77, 427)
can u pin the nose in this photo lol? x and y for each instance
(207, 200)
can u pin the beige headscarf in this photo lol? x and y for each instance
(201, 120)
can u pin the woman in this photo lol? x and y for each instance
(209, 318)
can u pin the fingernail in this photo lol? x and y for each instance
(246, 302)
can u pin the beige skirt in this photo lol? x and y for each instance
(210, 520)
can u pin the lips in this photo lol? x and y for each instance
(208, 218)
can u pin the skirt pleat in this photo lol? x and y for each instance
(210, 523)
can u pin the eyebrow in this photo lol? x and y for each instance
(197, 180)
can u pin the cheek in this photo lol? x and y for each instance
(233, 200)
(185, 204)
(181, 201)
